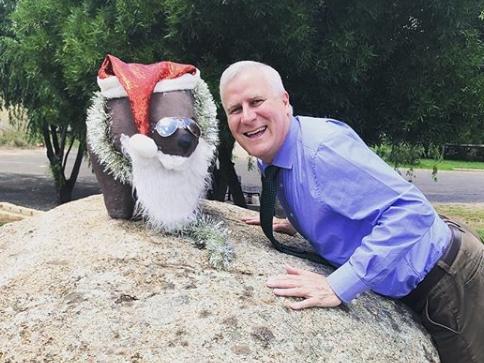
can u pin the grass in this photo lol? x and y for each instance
(447, 165)
(411, 158)
(470, 214)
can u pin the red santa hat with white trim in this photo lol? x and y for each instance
(136, 81)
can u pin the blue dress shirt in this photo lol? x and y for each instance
(356, 211)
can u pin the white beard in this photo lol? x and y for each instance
(168, 188)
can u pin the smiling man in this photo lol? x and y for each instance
(259, 114)
(377, 229)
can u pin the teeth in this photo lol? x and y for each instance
(260, 129)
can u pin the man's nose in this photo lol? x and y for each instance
(248, 114)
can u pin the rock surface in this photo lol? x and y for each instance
(76, 285)
(10, 212)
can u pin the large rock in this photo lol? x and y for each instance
(76, 285)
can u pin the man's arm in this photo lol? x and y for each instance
(397, 215)
(357, 186)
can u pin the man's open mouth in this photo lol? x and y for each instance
(256, 132)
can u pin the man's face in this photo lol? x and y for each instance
(258, 116)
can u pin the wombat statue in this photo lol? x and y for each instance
(152, 134)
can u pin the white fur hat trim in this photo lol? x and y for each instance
(112, 88)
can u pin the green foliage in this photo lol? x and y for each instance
(14, 131)
(408, 156)
(408, 73)
(15, 138)
(399, 154)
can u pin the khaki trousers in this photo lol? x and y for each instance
(453, 310)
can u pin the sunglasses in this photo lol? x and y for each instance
(167, 126)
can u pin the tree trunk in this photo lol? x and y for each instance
(219, 185)
(64, 193)
(226, 176)
(58, 159)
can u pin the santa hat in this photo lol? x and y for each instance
(110, 80)
(138, 81)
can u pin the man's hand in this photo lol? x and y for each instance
(313, 287)
(278, 225)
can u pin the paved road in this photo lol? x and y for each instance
(25, 180)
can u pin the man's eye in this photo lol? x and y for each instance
(257, 102)
(235, 110)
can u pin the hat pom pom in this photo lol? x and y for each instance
(141, 145)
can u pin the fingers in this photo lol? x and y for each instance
(293, 292)
(251, 220)
(304, 304)
(283, 228)
(293, 270)
(281, 282)
(279, 225)
(303, 284)
(286, 281)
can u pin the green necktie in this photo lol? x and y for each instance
(267, 207)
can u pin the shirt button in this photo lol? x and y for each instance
(291, 214)
(280, 185)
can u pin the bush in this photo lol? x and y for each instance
(16, 138)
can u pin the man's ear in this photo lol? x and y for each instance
(287, 104)
(285, 98)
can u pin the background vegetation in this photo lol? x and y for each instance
(405, 73)
(472, 215)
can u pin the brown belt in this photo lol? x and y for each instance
(416, 298)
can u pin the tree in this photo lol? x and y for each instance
(50, 51)
(30, 76)
(397, 71)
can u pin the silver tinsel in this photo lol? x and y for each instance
(207, 232)
(118, 165)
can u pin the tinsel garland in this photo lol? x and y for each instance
(117, 164)
(206, 113)
(207, 232)
(99, 141)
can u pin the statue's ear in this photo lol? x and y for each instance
(121, 119)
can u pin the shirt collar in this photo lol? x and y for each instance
(285, 155)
